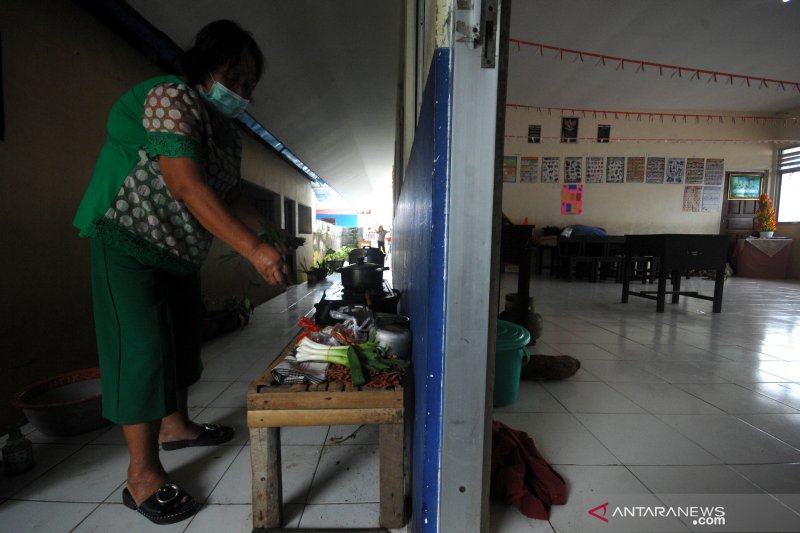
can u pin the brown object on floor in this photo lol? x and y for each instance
(520, 475)
(550, 367)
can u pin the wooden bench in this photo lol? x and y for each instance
(271, 406)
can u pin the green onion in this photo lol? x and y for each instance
(356, 356)
(308, 350)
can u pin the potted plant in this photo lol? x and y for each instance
(234, 314)
(316, 273)
(335, 258)
(765, 217)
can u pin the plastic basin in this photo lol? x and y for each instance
(64, 405)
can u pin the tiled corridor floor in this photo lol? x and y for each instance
(667, 409)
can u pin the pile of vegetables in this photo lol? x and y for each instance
(341, 346)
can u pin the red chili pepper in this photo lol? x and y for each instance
(308, 324)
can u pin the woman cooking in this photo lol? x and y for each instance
(160, 192)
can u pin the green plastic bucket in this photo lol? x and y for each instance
(510, 350)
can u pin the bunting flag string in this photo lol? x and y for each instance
(660, 116)
(661, 68)
(659, 140)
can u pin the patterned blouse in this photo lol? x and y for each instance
(127, 204)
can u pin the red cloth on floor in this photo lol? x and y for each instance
(521, 476)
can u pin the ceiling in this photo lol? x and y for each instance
(758, 38)
(330, 90)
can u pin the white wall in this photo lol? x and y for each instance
(629, 207)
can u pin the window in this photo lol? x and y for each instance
(304, 222)
(789, 185)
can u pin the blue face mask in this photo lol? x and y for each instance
(226, 102)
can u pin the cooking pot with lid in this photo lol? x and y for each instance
(369, 255)
(362, 276)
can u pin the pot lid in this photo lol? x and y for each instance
(363, 266)
(511, 336)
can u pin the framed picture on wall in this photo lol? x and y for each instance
(744, 185)
(569, 129)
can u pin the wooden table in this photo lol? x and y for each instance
(271, 406)
(762, 258)
(674, 253)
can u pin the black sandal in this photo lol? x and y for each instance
(210, 435)
(170, 504)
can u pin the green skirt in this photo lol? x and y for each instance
(148, 324)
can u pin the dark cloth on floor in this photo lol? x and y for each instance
(521, 476)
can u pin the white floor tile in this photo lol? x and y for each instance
(311, 435)
(90, 475)
(590, 397)
(227, 518)
(341, 516)
(619, 371)
(346, 435)
(696, 479)
(644, 440)
(235, 395)
(592, 486)
(785, 427)
(202, 393)
(505, 518)
(732, 440)
(786, 393)
(346, 474)
(560, 438)
(680, 371)
(533, 398)
(735, 399)
(38, 517)
(665, 398)
(45, 457)
(582, 351)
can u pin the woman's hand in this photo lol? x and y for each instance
(269, 263)
(183, 178)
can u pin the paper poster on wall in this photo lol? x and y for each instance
(528, 169)
(535, 133)
(569, 129)
(573, 169)
(694, 170)
(509, 169)
(712, 199)
(655, 170)
(692, 196)
(715, 171)
(572, 199)
(551, 167)
(594, 169)
(615, 170)
(676, 170)
(635, 170)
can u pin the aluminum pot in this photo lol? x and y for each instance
(369, 255)
(362, 276)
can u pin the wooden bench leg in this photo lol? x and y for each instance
(265, 458)
(392, 479)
